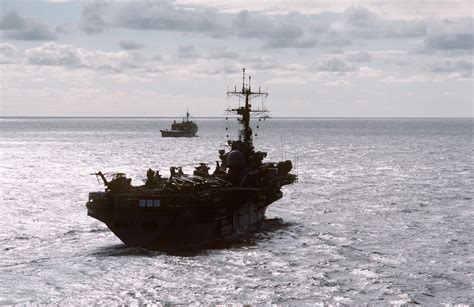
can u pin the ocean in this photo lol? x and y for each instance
(382, 214)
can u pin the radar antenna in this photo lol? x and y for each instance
(246, 111)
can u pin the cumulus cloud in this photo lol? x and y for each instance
(130, 45)
(16, 27)
(450, 41)
(53, 54)
(7, 49)
(8, 53)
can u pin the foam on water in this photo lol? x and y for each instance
(382, 214)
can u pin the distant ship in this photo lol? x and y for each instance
(186, 128)
(201, 207)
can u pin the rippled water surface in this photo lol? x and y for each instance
(382, 213)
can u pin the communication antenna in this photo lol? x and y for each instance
(246, 111)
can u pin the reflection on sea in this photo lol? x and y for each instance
(382, 213)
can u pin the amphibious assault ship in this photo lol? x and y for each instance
(202, 207)
(186, 128)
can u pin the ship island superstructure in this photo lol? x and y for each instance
(201, 207)
(186, 128)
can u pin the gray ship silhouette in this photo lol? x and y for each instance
(197, 208)
(186, 128)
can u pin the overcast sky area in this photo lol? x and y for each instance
(403, 58)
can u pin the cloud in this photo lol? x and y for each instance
(165, 16)
(275, 31)
(283, 31)
(261, 62)
(334, 64)
(297, 30)
(224, 54)
(334, 40)
(338, 82)
(214, 68)
(16, 27)
(8, 53)
(450, 41)
(290, 43)
(35, 33)
(7, 49)
(253, 25)
(400, 9)
(53, 54)
(462, 66)
(92, 17)
(130, 45)
(187, 52)
(66, 28)
(361, 22)
(359, 56)
(12, 21)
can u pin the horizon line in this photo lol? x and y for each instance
(219, 117)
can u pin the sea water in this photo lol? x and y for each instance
(382, 213)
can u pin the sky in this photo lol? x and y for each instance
(406, 58)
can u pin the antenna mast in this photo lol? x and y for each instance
(246, 111)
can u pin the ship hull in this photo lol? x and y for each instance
(157, 227)
(178, 133)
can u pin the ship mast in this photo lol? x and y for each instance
(246, 93)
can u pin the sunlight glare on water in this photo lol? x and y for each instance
(382, 213)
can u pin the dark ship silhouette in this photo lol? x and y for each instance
(186, 128)
(200, 208)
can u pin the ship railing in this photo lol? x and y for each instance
(213, 180)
